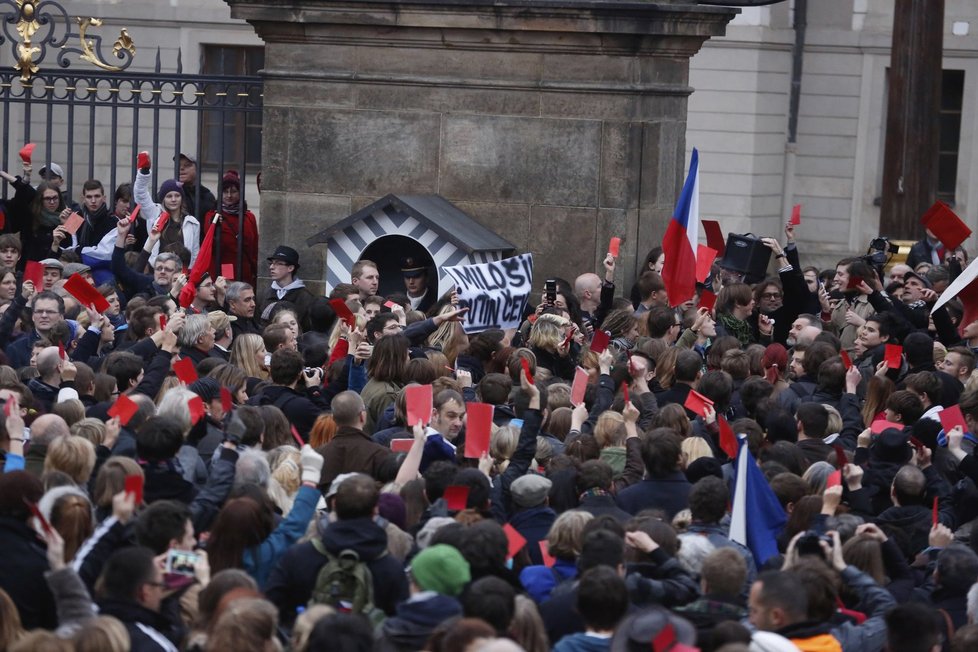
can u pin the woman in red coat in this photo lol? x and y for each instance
(230, 224)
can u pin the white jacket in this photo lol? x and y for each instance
(150, 211)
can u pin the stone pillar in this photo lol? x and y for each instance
(558, 124)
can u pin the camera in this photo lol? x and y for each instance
(879, 252)
(550, 291)
(809, 544)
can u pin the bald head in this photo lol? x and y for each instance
(47, 363)
(587, 287)
(47, 427)
(909, 486)
(347, 409)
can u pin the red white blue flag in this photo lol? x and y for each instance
(679, 245)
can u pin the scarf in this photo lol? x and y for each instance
(736, 327)
(49, 220)
(282, 290)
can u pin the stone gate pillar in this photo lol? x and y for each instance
(556, 123)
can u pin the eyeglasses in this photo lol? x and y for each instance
(771, 295)
(52, 199)
(46, 312)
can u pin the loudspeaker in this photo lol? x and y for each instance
(748, 255)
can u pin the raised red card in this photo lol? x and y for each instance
(135, 212)
(846, 360)
(401, 445)
(624, 392)
(32, 506)
(614, 246)
(599, 341)
(728, 440)
(948, 227)
(854, 282)
(196, 406)
(934, 518)
(579, 388)
(227, 271)
(61, 350)
(161, 222)
(134, 485)
(478, 428)
(162, 321)
(389, 305)
(916, 443)
(548, 559)
(73, 223)
(26, 152)
(708, 299)
(795, 215)
(525, 363)
(714, 236)
(704, 261)
(124, 408)
(86, 293)
(665, 640)
(880, 425)
(419, 404)
(456, 497)
(516, 540)
(343, 312)
(834, 479)
(840, 457)
(951, 417)
(185, 371)
(893, 356)
(227, 402)
(696, 402)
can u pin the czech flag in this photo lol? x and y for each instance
(757, 517)
(679, 245)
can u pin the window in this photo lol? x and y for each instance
(952, 92)
(226, 134)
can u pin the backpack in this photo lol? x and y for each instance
(345, 583)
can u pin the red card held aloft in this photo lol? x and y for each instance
(714, 236)
(124, 408)
(478, 428)
(795, 215)
(846, 360)
(227, 271)
(880, 425)
(34, 272)
(456, 497)
(840, 457)
(579, 388)
(946, 225)
(419, 404)
(32, 506)
(548, 559)
(893, 356)
(26, 152)
(951, 417)
(525, 363)
(401, 445)
(516, 540)
(134, 486)
(185, 371)
(728, 440)
(599, 341)
(162, 321)
(614, 246)
(86, 293)
(934, 517)
(696, 402)
(708, 299)
(196, 406)
(135, 212)
(73, 223)
(834, 479)
(704, 261)
(227, 402)
(389, 305)
(161, 222)
(343, 312)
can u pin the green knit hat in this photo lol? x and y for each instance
(442, 569)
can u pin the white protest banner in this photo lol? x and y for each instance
(495, 293)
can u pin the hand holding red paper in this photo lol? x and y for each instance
(478, 428)
(419, 404)
(696, 402)
(26, 152)
(893, 356)
(614, 246)
(124, 408)
(795, 215)
(343, 312)
(86, 294)
(143, 161)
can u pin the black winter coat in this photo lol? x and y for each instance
(22, 567)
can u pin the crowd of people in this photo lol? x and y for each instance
(244, 468)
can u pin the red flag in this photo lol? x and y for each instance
(728, 440)
(679, 243)
(200, 267)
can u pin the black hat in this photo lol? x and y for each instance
(411, 267)
(287, 255)
(909, 275)
(892, 446)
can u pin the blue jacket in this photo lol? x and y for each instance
(670, 494)
(534, 524)
(258, 561)
(540, 581)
